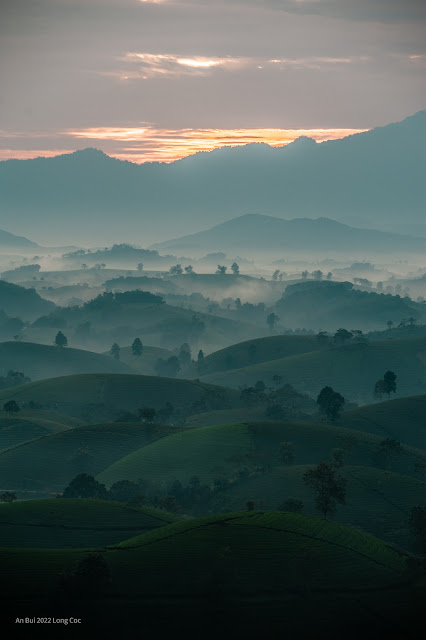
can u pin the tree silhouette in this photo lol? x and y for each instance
(271, 320)
(137, 347)
(235, 269)
(327, 485)
(115, 351)
(11, 406)
(330, 402)
(61, 340)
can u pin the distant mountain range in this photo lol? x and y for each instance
(373, 179)
(10, 241)
(255, 232)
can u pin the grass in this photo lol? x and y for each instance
(215, 451)
(29, 424)
(96, 397)
(243, 572)
(50, 463)
(144, 364)
(39, 361)
(65, 523)
(352, 369)
(402, 419)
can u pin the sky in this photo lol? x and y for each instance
(156, 81)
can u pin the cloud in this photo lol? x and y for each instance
(167, 145)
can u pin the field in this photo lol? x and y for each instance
(248, 569)
(40, 361)
(352, 369)
(29, 424)
(96, 397)
(66, 523)
(48, 464)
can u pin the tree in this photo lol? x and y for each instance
(147, 414)
(8, 496)
(271, 320)
(189, 269)
(305, 274)
(341, 336)
(387, 451)
(287, 454)
(61, 340)
(275, 274)
(317, 274)
(176, 270)
(327, 485)
(185, 355)
(379, 389)
(329, 275)
(390, 324)
(277, 379)
(323, 338)
(235, 269)
(140, 266)
(11, 406)
(124, 490)
(137, 347)
(330, 403)
(293, 505)
(338, 457)
(84, 486)
(115, 351)
(200, 355)
(390, 382)
(221, 269)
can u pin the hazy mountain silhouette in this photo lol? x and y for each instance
(255, 231)
(370, 179)
(9, 240)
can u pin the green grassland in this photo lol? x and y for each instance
(256, 351)
(96, 397)
(234, 573)
(51, 462)
(402, 419)
(144, 364)
(29, 424)
(65, 523)
(226, 416)
(351, 369)
(377, 501)
(40, 361)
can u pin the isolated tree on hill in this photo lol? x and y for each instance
(189, 269)
(330, 403)
(8, 496)
(11, 406)
(147, 414)
(327, 485)
(140, 266)
(115, 351)
(341, 336)
(305, 274)
(221, 269)
(84, 486)
(176, 270)
(275, 274)
(323, 338)
(317, 274)
(386, 385)
(329, 275)
(200, 355)
(61, 340)
(271, 320)
(84, 266)
(235, 269)
(411, 321)
(137, 347)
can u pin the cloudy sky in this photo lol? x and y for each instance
(145, 80)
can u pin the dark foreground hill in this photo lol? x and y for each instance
(26, 304)
(65, 523)
(237, 575)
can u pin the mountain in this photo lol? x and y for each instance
(373, 179)
(260, 232)
(10, 241)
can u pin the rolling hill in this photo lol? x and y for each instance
(65, 523)
(24, 303)
(144, 364)
(30, 424)
(243, 570)
(10, 242)
(95, 397)
(351, 369)
(49, 463)
(39, 361)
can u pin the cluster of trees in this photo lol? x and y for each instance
(137, 349)
(385, 385)
(341, 336)
(330, 403)
(13, 379)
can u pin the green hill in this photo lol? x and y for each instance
(144, 364)
(97, 397)
(243, 572)
(29, 424)
(402, 419)
(64, 523)
(251, 352)
(352, 369)
(21, 302)
(40, 361)
(388, 495)
(225, 450)
(48, 464)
